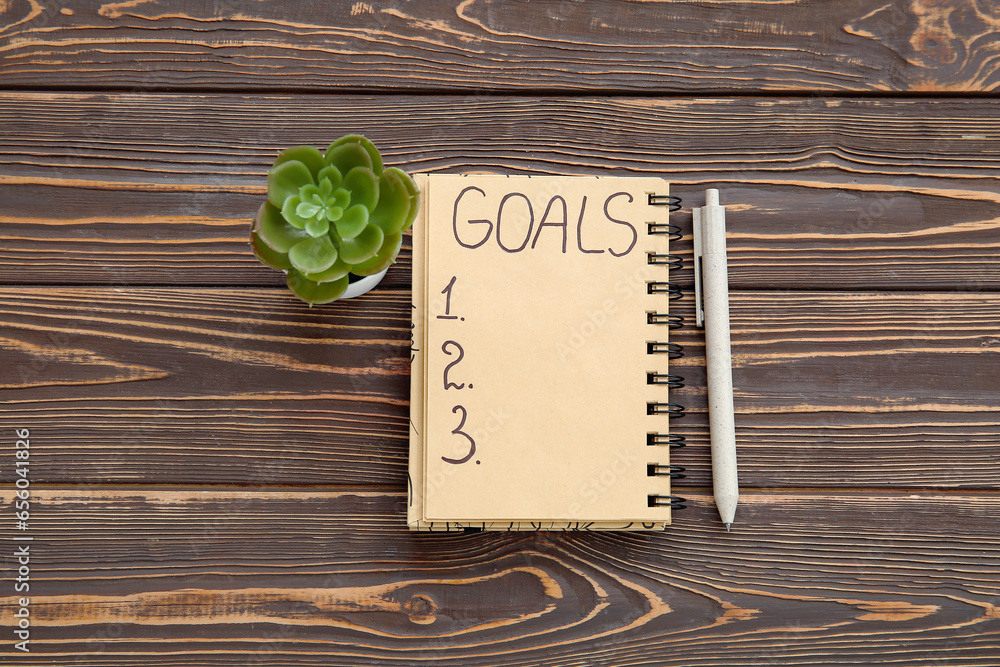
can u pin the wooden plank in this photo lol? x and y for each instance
(825, 194)
(126, 576)
(209, 386)
(567, 47)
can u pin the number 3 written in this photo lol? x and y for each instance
(458, 431)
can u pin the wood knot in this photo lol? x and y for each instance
(422, 609)
(935, 46)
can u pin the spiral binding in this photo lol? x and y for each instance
(658, 470)
(673, 231)
(672, 410)
(673, 262)
(671, 289)
(672, 381)
(672, 350)
(673, 502)
(664, 200)
(660, 439)
(672, 321)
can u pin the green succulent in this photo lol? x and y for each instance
(332, 214)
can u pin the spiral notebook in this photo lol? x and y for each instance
(539, 394)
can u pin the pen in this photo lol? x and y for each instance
(712, 311)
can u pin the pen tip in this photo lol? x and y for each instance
(727, 527)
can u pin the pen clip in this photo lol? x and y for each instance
(699, 304)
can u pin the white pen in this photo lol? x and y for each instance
(712, 311)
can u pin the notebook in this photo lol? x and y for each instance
(539, 395)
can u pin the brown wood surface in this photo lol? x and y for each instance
(829, 193)
(245, 386)
(217, 473)
(278, 576)
(562, 46)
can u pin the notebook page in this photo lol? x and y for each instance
(536, 358)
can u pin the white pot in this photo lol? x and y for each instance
(363, 285)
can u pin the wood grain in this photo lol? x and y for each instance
(217, 473)
(129, 576)
(824, 193)
(223, 386)
(565, 47)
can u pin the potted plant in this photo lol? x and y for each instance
(332, 219)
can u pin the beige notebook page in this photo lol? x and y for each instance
(536, 356)
(415, 515)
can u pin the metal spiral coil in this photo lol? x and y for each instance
(659, 470)
(672, 381)
(669, 439)
(672, 321)
(672, 290)
(672, 350)
(672, 262)
(664, 200)
(673, 502)
(664, 228)
(673, 410)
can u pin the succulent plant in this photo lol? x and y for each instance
(332, 214)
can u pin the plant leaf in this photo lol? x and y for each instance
(369, 147)
(411, 187)
(309, 192)
(325, 188)
(383, 259)
(267, 255)
(317, 227)
(306, 210)
(339, 269)
(347, 156)
(274, 230)
(363, 246)
(285, 180)
(341, 198)
(315, 293)
(393, 202)
(352, 221)
(313, 255)
(290, 212)
(362, 183)
(307, 155)
(330, 173)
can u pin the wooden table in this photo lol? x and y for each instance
(217, 473)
